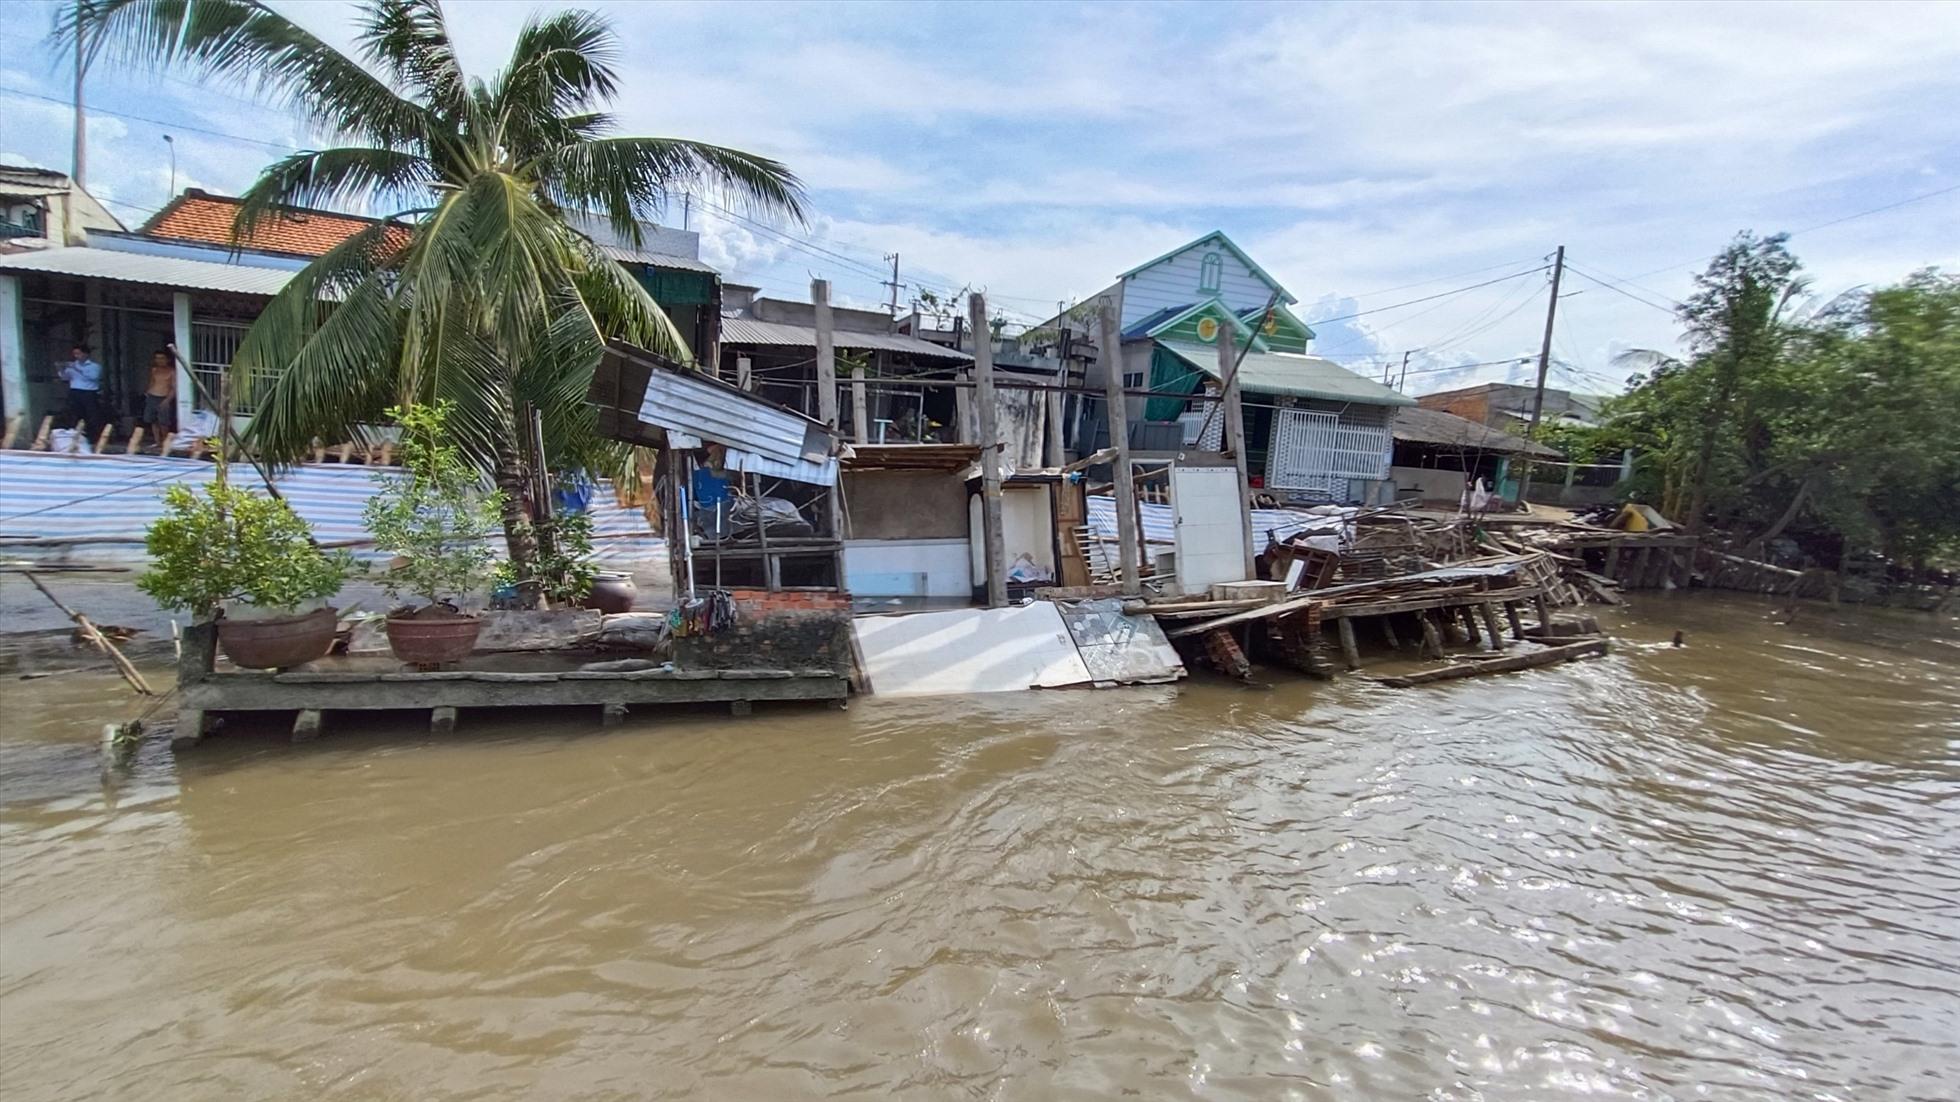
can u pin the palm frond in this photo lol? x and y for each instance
(409, 40)
(622, 179)
(332, 178)
(246, 43)
(561, 64)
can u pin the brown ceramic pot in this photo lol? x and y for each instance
(612, 593)
(278, 642)
(431, 640)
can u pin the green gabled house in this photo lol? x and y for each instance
(1315, 431)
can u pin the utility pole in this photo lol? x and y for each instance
(893, 283)
(1228, 374)
(1109, 351)
(1544, 365)
(81, 145)
(994, 552)
(1404, 377)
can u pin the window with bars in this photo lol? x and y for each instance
(214, 344)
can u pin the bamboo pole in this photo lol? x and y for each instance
(102, 643)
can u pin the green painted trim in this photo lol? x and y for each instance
(1215, 306)
(1287, 319)
(1285, 295)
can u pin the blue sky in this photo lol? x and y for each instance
(1366, 155)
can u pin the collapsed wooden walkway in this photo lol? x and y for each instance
(1477, 603)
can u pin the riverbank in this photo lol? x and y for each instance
(1727, 867)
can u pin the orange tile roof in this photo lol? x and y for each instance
(207, 219)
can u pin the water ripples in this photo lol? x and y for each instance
(1728, 870)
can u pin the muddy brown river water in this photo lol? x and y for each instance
(1728, 871)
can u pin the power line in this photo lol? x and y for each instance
(284, 146)
(1807, 229)
(1583, 274)
(1425, 298)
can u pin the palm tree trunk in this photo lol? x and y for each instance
(1790, 514)
(519, 537)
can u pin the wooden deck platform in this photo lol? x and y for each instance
(485, 681)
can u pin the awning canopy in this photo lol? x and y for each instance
(1294, 375)
(749, 331)
(159, 271)
(638, 391)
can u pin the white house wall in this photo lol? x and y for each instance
(1174, 282)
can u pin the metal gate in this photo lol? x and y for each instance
(1315, 453)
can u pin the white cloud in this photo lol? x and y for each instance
(1039, 150)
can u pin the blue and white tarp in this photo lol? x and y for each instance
(53, 495)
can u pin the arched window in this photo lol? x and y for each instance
(1211, 272)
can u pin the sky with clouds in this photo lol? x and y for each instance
(1367, 155)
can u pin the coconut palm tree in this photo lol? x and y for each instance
(478, 286)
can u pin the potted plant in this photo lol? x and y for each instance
(230, 547)
(437, 518)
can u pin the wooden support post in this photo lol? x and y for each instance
(442, 721)
(740, 708)
(826, 354)
(744, 373)
(1543, 609)
(135, 444)
(1053, 454)
(612, 715)
(1350, 652)
(102, 438)
(1432, 639)
(192, 723)
(860, 407)
(306, 725)
(1109, 351)
(827, 397)
(1490, 626)
(1234, 411)
(1388, 633)
(46, 434)
(13, 426)
(1517, 623)
(1612, 560)
(988, 408)
(1469, 621)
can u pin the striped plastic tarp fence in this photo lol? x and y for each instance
(52, 495)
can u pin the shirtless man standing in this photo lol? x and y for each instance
(160, 397)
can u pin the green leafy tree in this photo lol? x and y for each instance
(477, 288)
(436, 516)
(227, 544)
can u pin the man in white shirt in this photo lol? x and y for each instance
(84, 378)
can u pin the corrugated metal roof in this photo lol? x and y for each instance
(1434, 426)
(656, 260)
(750, 331)
(1299, 376)
(161, 271)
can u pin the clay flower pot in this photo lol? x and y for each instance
(277, 642)
(612, 593)
(433, 636)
